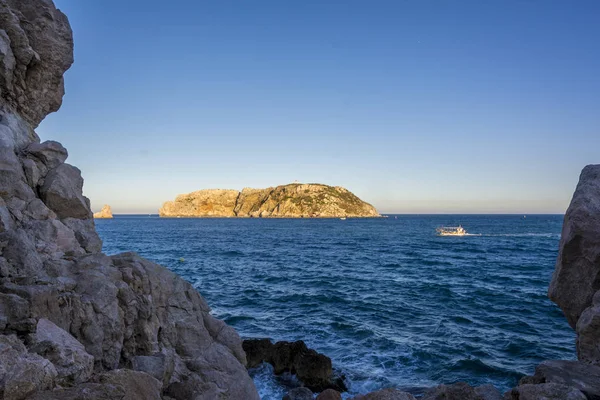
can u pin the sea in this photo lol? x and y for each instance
(389, 301)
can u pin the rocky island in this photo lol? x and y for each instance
(296, 200)
(106, 212)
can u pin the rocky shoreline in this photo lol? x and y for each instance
(78, 324)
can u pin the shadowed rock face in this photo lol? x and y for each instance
(287, 201)
(544, 391)
(386, 394)
(576, 278)
(75, 323)
(313, 369)
(36, 44)
(577, 274)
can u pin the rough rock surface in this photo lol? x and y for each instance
(544, 391)
(22, 373)
(588, 333)
(575, 374)
(117, 327)
(85, 391)
(488, 392)
(135, 384)
(73, 364)
(575, 284)
(288, 201)
(36, 45)
(329, 394)
(456, 391)
(313, 369)
(386, 394)
(576, 277)
(300, 393)
(106, 212)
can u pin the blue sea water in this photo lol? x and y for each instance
(389, 301)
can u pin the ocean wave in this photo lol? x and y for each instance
(391, 304)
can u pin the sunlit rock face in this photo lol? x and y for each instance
(74, 322)
(295, 200)
(106, 212)
(576, 280)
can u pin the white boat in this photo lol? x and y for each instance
(343, 218)
(451, 231)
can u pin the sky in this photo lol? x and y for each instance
(416, 106)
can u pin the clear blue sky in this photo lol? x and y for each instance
(414, 105)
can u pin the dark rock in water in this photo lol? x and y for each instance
(386, 394)
(544, 391)
(576, 374)
(300, 393)
(257, 351)
(329, 394)
(313, 369)
(283, 356)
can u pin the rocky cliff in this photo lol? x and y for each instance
(106, 212)
(575, 285)
(287, 201)
(75, 323)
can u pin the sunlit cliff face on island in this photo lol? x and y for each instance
(295, 200)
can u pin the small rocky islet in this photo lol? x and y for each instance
(104, 213)
(78, 324)
(295, 200)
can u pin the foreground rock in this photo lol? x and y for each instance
(73, 364)
(462, 391)
(106, 212)
(576, 278)
(544, 391)
(300, 393)
(386, 394)
(311, 368)
(75, 323)
(575, 374)
(288, 201)
(329, 394)
(577, 274)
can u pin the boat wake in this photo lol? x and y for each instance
(548, 235)
(460, 231)
(452, 231)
